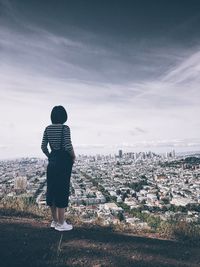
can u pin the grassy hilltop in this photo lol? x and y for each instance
(27, 240)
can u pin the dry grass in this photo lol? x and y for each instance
(24, 207)
(181, 230)
(188, 232)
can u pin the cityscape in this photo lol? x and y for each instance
(123, 188)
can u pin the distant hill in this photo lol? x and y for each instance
(192, 160)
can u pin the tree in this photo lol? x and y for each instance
(118, 191)
(120, 216)
(124, 195)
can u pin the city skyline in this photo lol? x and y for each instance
(126, 71)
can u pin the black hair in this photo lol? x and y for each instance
(58, 115)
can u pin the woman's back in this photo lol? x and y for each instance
(53, 134)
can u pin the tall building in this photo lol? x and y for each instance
(120, 153)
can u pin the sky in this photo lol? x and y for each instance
(127, 72)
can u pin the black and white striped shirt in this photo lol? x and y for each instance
(52, 136)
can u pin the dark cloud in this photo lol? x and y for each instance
(104, 41)
(119, 19)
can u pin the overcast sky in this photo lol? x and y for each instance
(127, 72)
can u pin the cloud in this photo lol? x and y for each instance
(4, 146)
(154, 145)
(77, 54)
(127, 92)
(186, 73)
(177, 143)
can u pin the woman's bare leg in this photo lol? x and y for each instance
(61, 215)
(54, 213)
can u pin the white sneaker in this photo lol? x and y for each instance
(63, 227)
(53, 224)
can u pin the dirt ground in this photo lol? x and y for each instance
(30, 242)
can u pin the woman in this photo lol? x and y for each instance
(61, 159)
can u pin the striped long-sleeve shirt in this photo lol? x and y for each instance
(52, 136)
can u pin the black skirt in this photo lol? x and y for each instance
(58, 178)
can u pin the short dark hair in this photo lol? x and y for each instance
(58, 114)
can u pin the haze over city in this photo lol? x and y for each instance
(127, 72)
